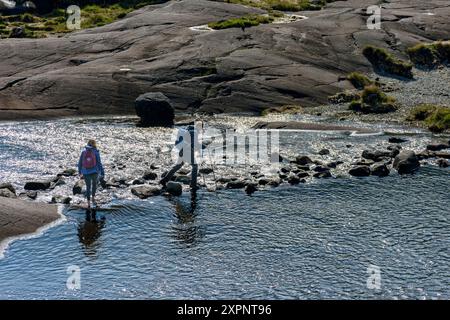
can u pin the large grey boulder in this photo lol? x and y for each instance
(155, 110)
(6, 193)
(406, 162)
(360, 171)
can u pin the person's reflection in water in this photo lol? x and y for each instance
(89, 231)
(186, 230)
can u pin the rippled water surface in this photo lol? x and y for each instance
(315, 240)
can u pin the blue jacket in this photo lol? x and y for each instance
(97, 169)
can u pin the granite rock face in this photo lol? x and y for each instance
(103, 70)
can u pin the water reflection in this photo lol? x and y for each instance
(186, 228)
(89, 231)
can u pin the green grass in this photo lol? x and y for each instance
(373, 100)
(436, 118)
(430, 54)
(242, 22)
(283, 5)
(92, 15)
(358, 80)
(386, 62)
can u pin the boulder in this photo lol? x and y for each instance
(406, 162)
(379, 155)
(237, 184)
(437, 146)
(68, 173)
(442, 163)
(155, 110)
(274, 182)
(6, 193)
(78, 187)
(379, 170)
(8, 186)
(206, 170)
(302, 160)
(174, 188)
(321, 168)
(263, 181)
(144, 192)
(324, 152)
(323, 174)
(396, 140)
(61, 199)
(32, 195)
(360, 171)
(250, 188)
(149, 175)
(293, 179)
(302, 174)
(37, 185)
(138, 181)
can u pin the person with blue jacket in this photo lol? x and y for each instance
(90, 169)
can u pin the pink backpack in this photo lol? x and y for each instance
(89, 159)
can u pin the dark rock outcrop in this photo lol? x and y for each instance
(250, 188)
(380, 170)
(155, 110)
(236, 184)
(406, 162)
(438, 146)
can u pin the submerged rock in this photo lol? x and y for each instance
(406, 162)
(360, 171)
(443, 163)
(174, 188)
(250, 188)
(293, 179)
(37, 185)
(396, 140)
(236, 184)
(437, 147)
(379, 170)
(144, 192)
(155, 110)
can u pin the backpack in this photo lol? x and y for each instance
(89, 160)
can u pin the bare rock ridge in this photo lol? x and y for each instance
(103, 70)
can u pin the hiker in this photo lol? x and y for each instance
(90, 169)
(186, 144)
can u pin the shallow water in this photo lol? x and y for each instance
(315, 240)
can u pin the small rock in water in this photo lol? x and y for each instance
(67, 173)
(144, 192)
(206, 170)
(138, 181)
(61, 199)
(324, 152)
(437, 147)
(149, 175)
(37, 185)
(32, 195)
(406, 162)
(78, 187)
(274, 182)
(442, 163)
(321, 168)
(323, 174)
(174, 188)
(250, 188)
(379, 170)
(302, 174)
(293, 179)
(263, 181)
(236, 184)
(360, 171)
(396, 140)
(302, 160)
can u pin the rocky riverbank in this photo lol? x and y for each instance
(103, 70)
